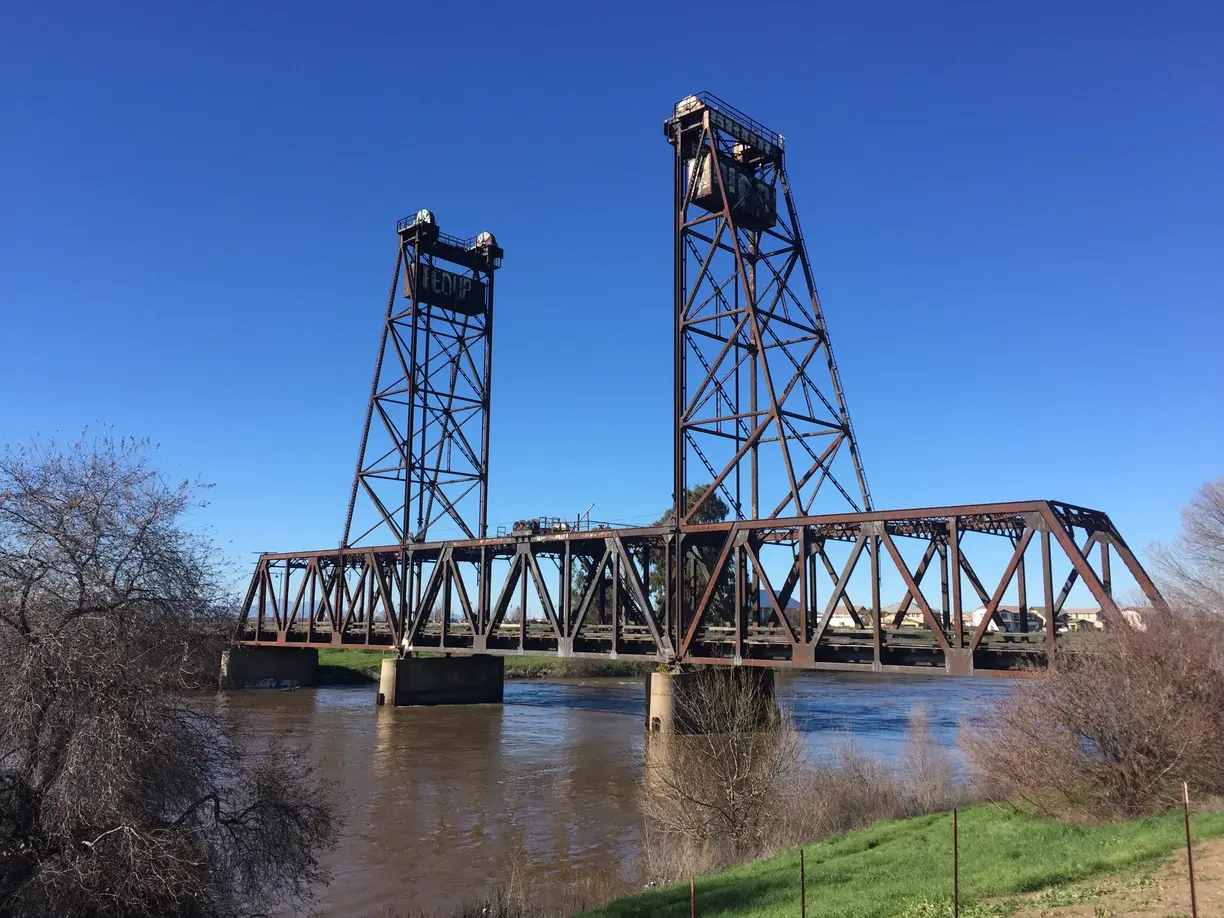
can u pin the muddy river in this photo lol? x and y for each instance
(435, 800)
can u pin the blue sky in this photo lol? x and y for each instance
(1014, 217)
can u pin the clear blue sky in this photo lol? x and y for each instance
(1015, 219)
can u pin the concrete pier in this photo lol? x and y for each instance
(269, 667)
(478, 679)
(697, 701)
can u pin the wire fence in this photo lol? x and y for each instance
(955, 867)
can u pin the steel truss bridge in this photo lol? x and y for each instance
(793, 576)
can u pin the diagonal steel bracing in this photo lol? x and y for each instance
(797, 578)
(423, 465)
(755, 377)
(608, 597)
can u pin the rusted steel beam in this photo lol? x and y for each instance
(708, 593)
(970, 517)
(546, 602)
(839, 589)
(903, 607)
(1009, 572)
(912, 586)
(851, 610)
(876, 612)
(382, 597)
(778, 608)
(594, 579)
(638, 591)
(1109, 608)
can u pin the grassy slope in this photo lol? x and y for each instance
(340, 665)
(903, 869)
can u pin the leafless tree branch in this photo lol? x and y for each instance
(121, 793)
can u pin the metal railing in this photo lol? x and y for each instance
(709, 100)
(445, 238)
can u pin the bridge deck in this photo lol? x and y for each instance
(761, 592)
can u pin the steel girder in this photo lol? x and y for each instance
(758, 402)
(778, 592)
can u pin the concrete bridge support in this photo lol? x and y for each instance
(269, 667)
(710, 699)
(478, 679)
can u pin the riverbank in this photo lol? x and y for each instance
(1011, 864)
(341, 666)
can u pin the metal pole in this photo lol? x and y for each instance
(1189, 852)
(678, 367)
(486, 410)
(955, 868)
(802, 887)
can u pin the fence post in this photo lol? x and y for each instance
(692, 899)
(802, 886)
(955, 867)
(1189, 852)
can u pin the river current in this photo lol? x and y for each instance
(436, 800)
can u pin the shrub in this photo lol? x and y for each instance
(709, 794)
(741, 786)
(119, 794)
(1114, 726)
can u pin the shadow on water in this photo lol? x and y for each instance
(439, 801)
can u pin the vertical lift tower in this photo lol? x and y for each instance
(794, 577)
(759, 406)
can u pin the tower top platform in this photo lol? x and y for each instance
(688, 111)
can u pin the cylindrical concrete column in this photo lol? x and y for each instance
(386, 680)
(688, 702)
(660, 703)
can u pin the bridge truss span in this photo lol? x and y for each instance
(799, 592)
(805, 572)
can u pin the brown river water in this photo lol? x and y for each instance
(437, 801)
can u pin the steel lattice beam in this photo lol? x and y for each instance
(424, 457)
(759, 412)
(602, 593)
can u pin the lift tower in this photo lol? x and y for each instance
(423, 467)
(799, 578)
(759, 407)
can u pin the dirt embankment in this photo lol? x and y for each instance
(1162, 893)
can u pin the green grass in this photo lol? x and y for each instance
(339, 666)
(903, 869)
(531, 667)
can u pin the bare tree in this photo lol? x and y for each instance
(1114, 726)
(1121, 719)
(735, 783)
(926, 773)
(711, 790)
(122, 794)
(1191, 570)
(844, 789)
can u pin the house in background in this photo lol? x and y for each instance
(1080, 619)
(1011, 616)
(1087, 619)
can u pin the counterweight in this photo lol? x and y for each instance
(796, 577)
